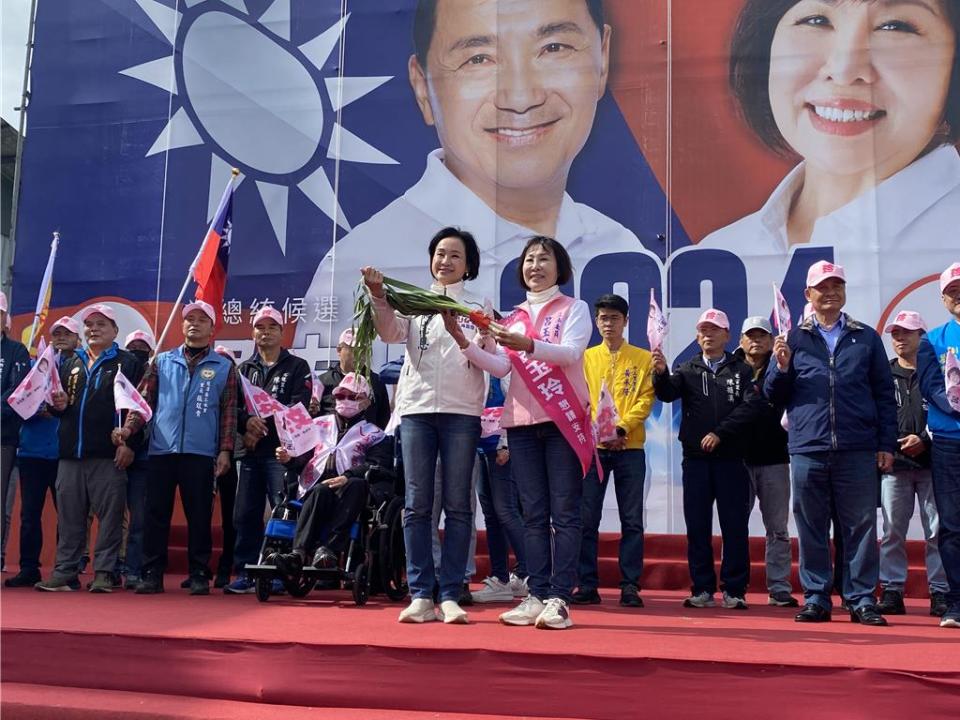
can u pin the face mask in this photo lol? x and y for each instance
(348, 408)
(142, 355)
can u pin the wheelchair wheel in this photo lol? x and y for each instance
(262, 586)
(391, 553)
(300, 587)
(361, 585)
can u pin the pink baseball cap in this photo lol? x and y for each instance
(908, 320)
(352, 383)
(268, 313)
(205, 307)
(3, 301)
(346, 338)
(68, 324)
(98, 308)
(714, 317)
(142, 337)
(823, 270)
(950, 275)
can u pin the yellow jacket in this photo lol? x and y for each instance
(628, 375)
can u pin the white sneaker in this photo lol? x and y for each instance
(452, 614)
(518, 586)
(494, 590)
(701, 600)
(526, 613)
(734, 602)
(420, 610)
(555, 615)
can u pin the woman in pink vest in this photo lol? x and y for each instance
(546, 416)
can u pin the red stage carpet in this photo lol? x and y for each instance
(72, 655)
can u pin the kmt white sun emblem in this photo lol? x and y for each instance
(239, 87)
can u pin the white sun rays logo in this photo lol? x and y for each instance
(241, 88)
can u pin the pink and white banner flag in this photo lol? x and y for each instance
(296, 430)
(951, 376)
(607, 416)
(656, 324)
(316, 387)
(37, 387)
(126, 397)
(490, 421)
(781, 312)
(258, 401)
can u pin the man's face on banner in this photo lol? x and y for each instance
(512, 87)
(861, 87)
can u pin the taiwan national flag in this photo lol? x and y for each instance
(210, 271)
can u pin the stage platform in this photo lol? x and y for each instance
(78, 655)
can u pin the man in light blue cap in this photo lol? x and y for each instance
(768, 465)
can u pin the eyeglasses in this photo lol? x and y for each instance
(346, 396)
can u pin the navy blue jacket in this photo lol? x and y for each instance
(14, 366)
(844, 401)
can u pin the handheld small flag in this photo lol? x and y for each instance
(781, 312)
(126, 397)
(951, 376)
(258, 401)
(656, 324)
(37, 387)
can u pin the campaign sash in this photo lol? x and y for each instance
(350, 451)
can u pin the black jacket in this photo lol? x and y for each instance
(767, 444)
(724, 403)
(14, 366)
(911, 416)
(288, 380)
(379, 411)
(90, 415)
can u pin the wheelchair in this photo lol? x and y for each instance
(375, 559)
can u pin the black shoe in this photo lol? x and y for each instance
(938, 604)
(29, 579)
(199, 586)
(630, 597)
(289, 564)
(813, 613)
(843, 604)
(867, 615)
(222, 579)
(185, 583)
(325, 559)
(150, 585)
(117, 580)
(584, 596)
(466, 597)
(891, 603)
(782, 598)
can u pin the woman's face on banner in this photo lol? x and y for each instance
(860, 87)
(513, 86)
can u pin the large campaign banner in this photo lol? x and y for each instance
(701, 149)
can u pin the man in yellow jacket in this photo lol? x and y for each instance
(626, 370)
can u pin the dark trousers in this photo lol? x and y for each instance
(946, 490)
(500, 502)
(261, 481)
(724, 481)
(327, 516)
(629, 468)
(8, 456)
(227, 490)
(193, 475)
(37, 478)
(550, 482)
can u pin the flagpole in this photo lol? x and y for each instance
(193, 266)
(44, 288)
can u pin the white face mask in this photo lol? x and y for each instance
(348, 408)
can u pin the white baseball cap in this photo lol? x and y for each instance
(205, 307)
(757, 322)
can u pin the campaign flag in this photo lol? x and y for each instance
(37, 387)
(210, 270)
(316, 390)
(43, 298)
(296, 430)
(258, 401)
(656, 324)
(607, 416)
(490, 421)
(951, 374)
(781, 312)
(126, 397)
(41, 346)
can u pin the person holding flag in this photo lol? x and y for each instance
(378, 410)
(91, 474)
(191, 391)
(287, 380)
(14, 365)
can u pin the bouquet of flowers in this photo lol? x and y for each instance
(408, 300)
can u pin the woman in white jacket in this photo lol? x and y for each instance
(440, 396)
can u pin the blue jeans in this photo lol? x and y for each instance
(136, 501)
(453, 438)
(437, 544)
(629, 468)
(550, 482)
(261, 478)
(946, 488)
(897, 492)
(850, 478)
(501, 514)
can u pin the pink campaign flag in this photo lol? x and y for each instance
(490, 421)
(656, 324)
(781, 312)
(951, 375)
(316, 389)
(126, 397)
(258, 401)
(296, 430)
(37, 387)
(607, 416)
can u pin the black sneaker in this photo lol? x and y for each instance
(150, 585)
(782, 599)
(630, 597)
(324, 558)
(585, 596)
(222, 579)
(199, 586)
(466, 597)
(185, 583)
(938, 604)
(29, 579)
(867, 615)
(891, 603)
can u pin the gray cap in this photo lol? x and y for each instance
(757, 322)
